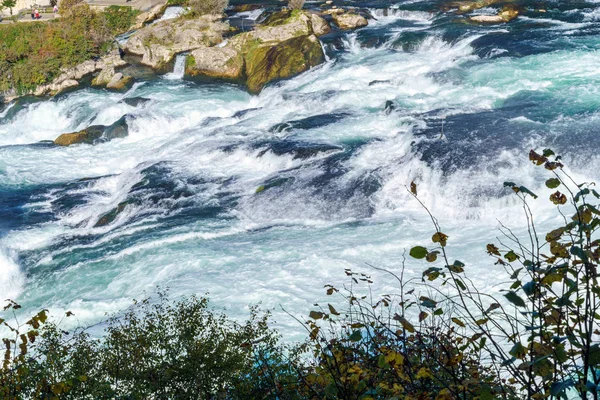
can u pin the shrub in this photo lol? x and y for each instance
(543, 335)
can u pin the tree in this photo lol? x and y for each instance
(9, 4)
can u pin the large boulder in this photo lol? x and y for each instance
(220, 62)
(286, 44)
(95, 133)
(158, 43)
(349, 20)
(120, 82)
(282, 60)
(320, 27)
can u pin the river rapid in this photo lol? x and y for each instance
(265, 199)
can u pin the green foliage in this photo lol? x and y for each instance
(33, 54)
(10, 4)
(157, 349)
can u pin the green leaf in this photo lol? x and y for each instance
(518, 350)
(511, 256)
(355, 336)
(552, 183)
(418, 252)
(515, 299)
(594, 358)
(458, 322)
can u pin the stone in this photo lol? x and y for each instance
(349, 20)
(320, 27)
(111, 215)
(120, 82)
(135, 101)
(149, 16)
(283, 46)
(389, 107)
(88, 136)
(158, 43)
(95, 134)
(507, 14)
(220, 62)
(281, 60)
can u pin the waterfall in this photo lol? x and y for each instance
(178, 68)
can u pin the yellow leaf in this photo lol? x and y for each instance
(424, 373)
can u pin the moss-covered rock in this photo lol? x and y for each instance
(266, 63)
(96, 133)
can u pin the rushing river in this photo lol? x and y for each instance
(267, 198)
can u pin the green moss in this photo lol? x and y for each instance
(190, 62)
(268, 63)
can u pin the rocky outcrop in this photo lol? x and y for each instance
(505, 15)
(95, 134)
(468, 6)
(120, 82)
(267, 63)
(220, 62)
(146, 17)
(284, 45)
(157, 44)
(349, 20)
(70, 78)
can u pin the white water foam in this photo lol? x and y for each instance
(12, 280)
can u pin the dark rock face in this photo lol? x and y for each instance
(389, 107)
(135, 101)
(96, 133)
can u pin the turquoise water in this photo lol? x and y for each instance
(333, 164)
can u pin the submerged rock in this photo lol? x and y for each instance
(349, 20)
(135, 101)
(157, 44)
(111, 215)
(389, 107)
(95, 133)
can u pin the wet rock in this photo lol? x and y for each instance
(246, 7)
(377, 82)
(242, 113)
(135, 101)
(120, 82)
(282, 60)
(139, 72)
(299, 150)
(158, 43)
(95, 133)
(389, 107)
(507, 14)
(111, 215)
(349, 20)
(312, 122)
(88, 136)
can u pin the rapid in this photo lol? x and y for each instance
(265, 199)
